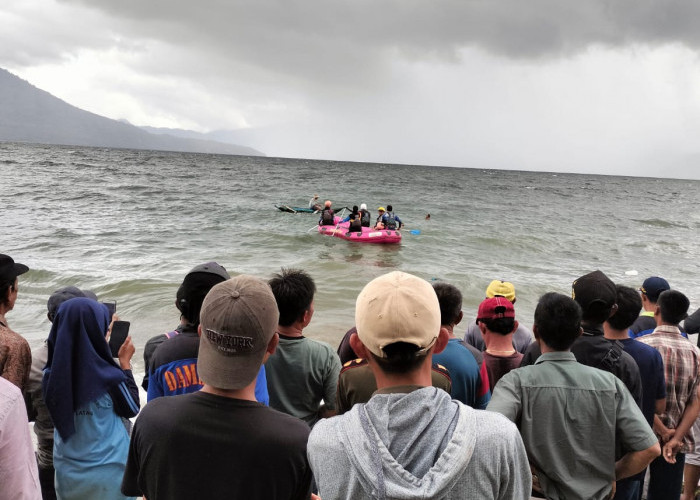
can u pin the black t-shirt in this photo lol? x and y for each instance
(205, 446)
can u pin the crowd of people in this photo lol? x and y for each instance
(240, 403)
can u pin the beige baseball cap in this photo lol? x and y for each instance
(397, 307)
(238, 318)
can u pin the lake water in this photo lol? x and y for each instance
(130, 224)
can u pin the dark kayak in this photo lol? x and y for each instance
(296, 210)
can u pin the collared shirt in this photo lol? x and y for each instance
(18, 472)
(681, 368)
(15, 356)
(571, 417)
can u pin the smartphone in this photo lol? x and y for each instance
(120, 330)
(112, 306)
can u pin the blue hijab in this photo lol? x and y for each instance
(80, 367)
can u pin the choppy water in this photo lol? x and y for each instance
(130, 224)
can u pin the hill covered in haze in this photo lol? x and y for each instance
(29, 114)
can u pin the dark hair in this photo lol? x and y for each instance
(389, 208)
(558, 320)
(190, 295)
(629, 303)
(673, 306)
(401, 357)
(450, 299)
(504, 326)
(294, 291)
(5, 288)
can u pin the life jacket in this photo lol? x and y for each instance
(327, 217)
(365, 218)
(390, 222)
(355, 223)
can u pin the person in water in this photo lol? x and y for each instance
(365, 216)
(327, 215)
(355, 220)
(314, 203)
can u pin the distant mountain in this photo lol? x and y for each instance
(28, 114)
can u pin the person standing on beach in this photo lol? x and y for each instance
(650, 291)
(464, 363)
(496, 320)
(651, 369)
(220, 442)
(595, 293)
(36, 408)
(411, 440)
(15, 354)
(682, 369)
(303, 372)
(171, 358)
(18, 472)
(522, 336)
(572, 417)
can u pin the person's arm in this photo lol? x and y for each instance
(507, 397)
(635, 461)
(125, 395)
(690, 414)
(330, 385)
(660, 406)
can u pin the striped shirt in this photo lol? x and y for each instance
(681, 369)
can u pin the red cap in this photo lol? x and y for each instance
(496, 307)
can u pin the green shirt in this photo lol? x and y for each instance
(300, 374)
(571, 417)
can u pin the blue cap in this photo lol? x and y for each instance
(653, 286)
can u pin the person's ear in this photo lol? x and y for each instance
(442, 340)
(273, 343)
(360, 350)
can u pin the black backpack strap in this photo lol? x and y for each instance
(612, 357)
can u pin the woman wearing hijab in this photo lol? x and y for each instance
(87, 393)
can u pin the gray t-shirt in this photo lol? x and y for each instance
(300, 374)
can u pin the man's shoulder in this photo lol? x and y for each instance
(175, 349)
(12, 339)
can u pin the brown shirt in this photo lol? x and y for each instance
(497, 366)
(15, 356)
(356, 383)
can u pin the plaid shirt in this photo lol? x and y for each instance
(681, 369)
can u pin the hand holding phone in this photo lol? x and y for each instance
(120, 331)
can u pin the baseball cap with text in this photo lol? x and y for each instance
(238, 318)
(397, 307)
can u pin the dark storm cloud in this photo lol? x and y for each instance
(325, 36)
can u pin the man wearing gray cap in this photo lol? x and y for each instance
(15, 355)
(412, 440)
(220, 442)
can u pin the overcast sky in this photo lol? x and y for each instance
(595, 86)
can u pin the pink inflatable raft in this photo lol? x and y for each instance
(368, 235)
